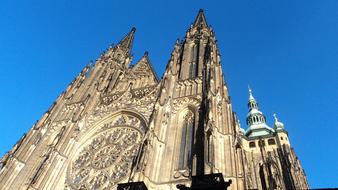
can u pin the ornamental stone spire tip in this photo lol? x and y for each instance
(127, 41)
(200, 20)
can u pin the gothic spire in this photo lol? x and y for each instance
(127, 42)
(197, 48)
(200, 20)
(120, 53)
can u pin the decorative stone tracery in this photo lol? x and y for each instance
(180, 103)
(106, 159)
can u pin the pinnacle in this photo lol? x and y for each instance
(200, 19)
(144, 58)
(127, 41)
(177, 43)
(251, 98)
(275, 117)
(145, 61)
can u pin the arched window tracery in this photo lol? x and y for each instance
(106, 158)
(186, 140)
(193, 61)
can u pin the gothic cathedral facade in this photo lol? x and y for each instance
(117, 123)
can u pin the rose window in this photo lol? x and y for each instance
(105, 160)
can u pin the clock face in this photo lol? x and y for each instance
(106, 160)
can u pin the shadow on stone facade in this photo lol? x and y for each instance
(207, 182)
(201, 182)
(132, 186)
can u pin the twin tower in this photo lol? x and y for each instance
(117, 123)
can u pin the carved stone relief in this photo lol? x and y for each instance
(180, 103)
(140, 100)
(219, 102)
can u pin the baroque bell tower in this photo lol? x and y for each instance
(116, 125)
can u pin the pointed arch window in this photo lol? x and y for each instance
(186, 140)
(193, 62)
(210, 148)
(192, 70)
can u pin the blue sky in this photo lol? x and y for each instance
(286, 50)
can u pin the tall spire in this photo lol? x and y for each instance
(200, 20)
(127, 42)
(197, 48)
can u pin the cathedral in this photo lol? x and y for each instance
(118, 126)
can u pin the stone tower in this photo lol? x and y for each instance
(117, 123)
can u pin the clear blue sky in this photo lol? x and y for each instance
(286, 50)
